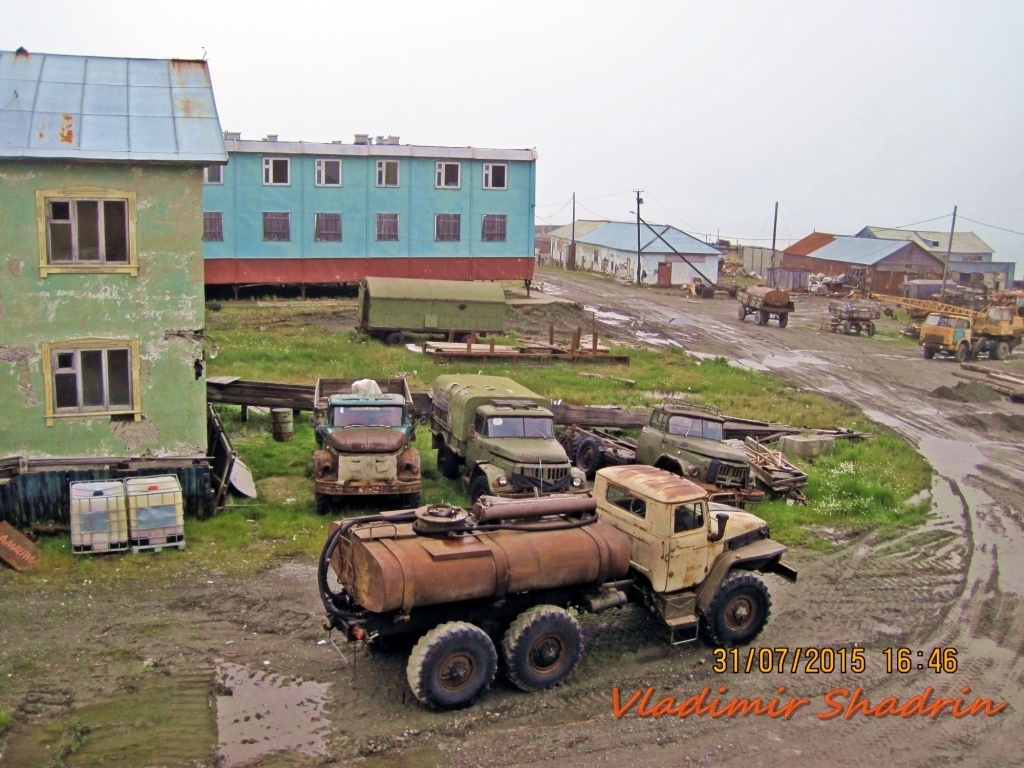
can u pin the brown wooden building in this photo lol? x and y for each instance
(880, 266)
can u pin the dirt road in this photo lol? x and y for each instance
(163, 663)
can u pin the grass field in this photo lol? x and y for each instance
(864, 485)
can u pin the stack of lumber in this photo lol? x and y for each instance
(772, 469)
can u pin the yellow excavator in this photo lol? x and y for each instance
(966, 333)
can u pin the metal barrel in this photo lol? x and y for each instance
(491, 509)
(282, 425)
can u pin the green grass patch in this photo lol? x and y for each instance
(6, 718)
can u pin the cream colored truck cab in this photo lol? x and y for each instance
(696, 559)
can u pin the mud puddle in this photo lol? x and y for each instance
(264, 712)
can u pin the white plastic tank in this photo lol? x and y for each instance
(156, 514)
(99, 517)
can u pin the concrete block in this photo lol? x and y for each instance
(807, 446)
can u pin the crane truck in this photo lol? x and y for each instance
(501, 578)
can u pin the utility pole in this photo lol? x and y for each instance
(639, 201)
(775, 224)
(572, 247)
(949, 250)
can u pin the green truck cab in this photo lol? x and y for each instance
(687, 439)
(500, 436)
(364, 431)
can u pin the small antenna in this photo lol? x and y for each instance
(204, 52)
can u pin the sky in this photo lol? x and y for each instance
(846, 114)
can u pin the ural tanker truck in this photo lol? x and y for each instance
(500, 579)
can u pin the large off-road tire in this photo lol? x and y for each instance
(738, 611)
(590, 456)
(963, 352)
(324, 504)
(451, 665)
(763, 317)
(479, 487)
(541, 647)
(929, 353)
(742, 313)
(447, 462)
(1000, 350)
(783, 319)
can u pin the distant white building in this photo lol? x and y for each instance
(668, 256)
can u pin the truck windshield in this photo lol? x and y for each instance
(938, 320)
(367, 416)
(520, 426)
(689, 426)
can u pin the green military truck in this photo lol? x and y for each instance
(364, 430)
(500, 436)
(390, 307)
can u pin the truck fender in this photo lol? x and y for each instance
(321, 463)
(490, 471)
(675, 466)
(763, 555)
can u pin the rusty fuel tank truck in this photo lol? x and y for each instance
(500, 579)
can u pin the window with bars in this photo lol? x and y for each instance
(328, 228)
(213, 174)
(91, 377)
(387, 226)
(276, 171)
(495, 176)
(495, 228)
(277, 226)
(213, 227)
(387, 173)
(449, 175)
(87, 231)
(447, 227)
(328, 173)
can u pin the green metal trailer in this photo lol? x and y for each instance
(389, 307)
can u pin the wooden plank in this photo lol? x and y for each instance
(15, 550)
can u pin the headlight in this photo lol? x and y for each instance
(576, 482)
(501, 481)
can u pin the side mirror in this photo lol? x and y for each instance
(723, 519)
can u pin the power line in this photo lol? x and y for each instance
(610, 194)
(993, 226)
(926, 221)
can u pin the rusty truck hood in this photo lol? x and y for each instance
(366, 440)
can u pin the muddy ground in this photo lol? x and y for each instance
(155, 668)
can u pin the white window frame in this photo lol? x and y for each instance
(382, 173)
(398, 228)
(268, 171)
(316, 227)
(488, 173)
(220, 227)
(437, 232)
(50, 353)
(321, 163)
(220, 174)
(439, 174)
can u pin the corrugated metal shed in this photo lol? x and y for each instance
(858, 250)
(96, 108)
(435, 290)
(621, 236)
(931, 241)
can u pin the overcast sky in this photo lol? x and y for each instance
(848, 114)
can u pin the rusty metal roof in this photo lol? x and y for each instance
(435, 290)
(97, 108)
(809, 244)
(654, 483)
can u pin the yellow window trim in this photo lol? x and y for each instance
(133, 353)
(87, 193)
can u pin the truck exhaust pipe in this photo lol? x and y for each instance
(492, 509)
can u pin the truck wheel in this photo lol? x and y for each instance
(783, 319)
(738, 611)
(869, 328)
(742, 313)
(479, 487)
(411, 500)
(1000, 351)
(394, 338)
(963, 352)
(447, 462)
(590, 456)
(929, 353)
(451, 665)
(844, 327)
(324, 504)
(541, 648)
(762, 317)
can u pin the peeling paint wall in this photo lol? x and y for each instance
(167, 295)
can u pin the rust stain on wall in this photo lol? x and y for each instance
(136, 434)
(14, 354)
(67, 131)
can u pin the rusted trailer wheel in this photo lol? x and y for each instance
(742, 313)
(738, 611)
(541, 648)
(783, 319)
(589, 456)
(451, 665)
